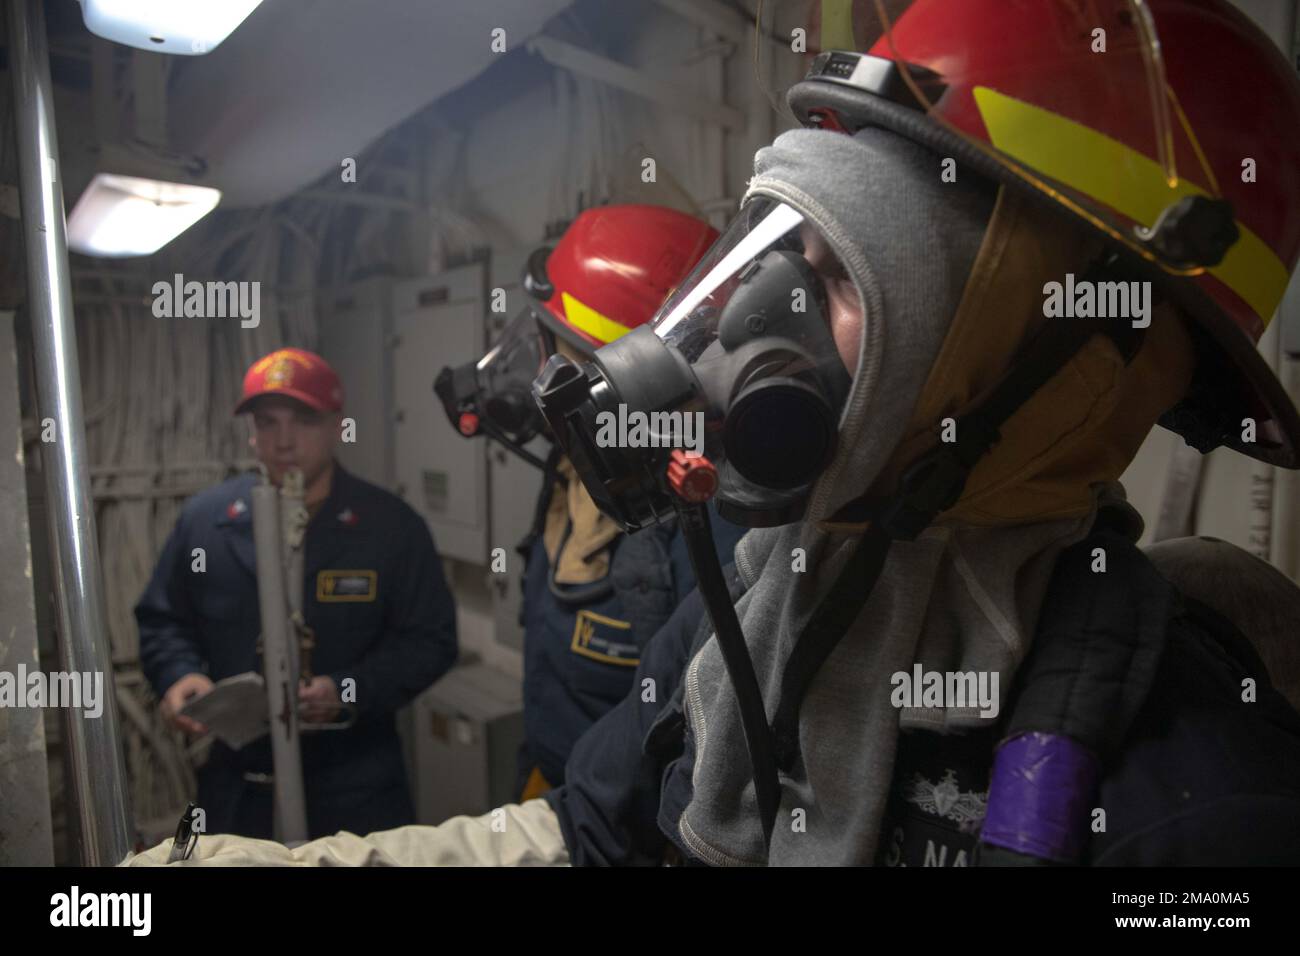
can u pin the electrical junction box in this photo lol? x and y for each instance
(462, 741)
(439, 321)
(355, 329)
(388, 338)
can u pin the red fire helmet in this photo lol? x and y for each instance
(1169, 126)
(612, 269)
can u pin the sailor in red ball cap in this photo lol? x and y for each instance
(296, 401)
(373, 593)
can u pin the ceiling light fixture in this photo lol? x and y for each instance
(185, 27)
(121, 216)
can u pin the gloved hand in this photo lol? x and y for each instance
(514, 835)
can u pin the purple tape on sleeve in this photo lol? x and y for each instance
(1040, 794)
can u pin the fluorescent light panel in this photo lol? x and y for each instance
(185, 27)
(122, 216)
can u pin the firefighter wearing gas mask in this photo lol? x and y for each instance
(592, 595)
(950, 310)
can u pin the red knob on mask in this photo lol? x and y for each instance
(692, 477)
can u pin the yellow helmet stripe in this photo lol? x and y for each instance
(587, 319)
(1121, 177)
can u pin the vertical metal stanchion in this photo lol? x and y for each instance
(94, 747)
(279, 665)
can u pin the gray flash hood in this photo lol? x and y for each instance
(955, 598)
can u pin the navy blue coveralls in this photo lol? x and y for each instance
(582, 644)
(1190, 774)
(376, 598)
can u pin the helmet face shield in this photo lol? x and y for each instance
(492, 396)
(740, 368)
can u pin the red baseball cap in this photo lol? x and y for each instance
(296, 373)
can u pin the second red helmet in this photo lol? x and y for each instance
(612, 270)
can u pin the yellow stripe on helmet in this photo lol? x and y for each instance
(587, 319)
(1112, 173)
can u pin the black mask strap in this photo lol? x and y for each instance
(694, 524)
(824, 630)
(491, 431)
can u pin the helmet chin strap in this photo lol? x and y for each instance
(930, 486)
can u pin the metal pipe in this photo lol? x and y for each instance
(290, 825)
(94, 745)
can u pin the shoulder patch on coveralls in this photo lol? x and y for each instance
(604, 639)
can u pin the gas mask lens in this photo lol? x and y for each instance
(492, 396)
(739, 372)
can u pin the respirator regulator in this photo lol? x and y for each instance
(733, 393)
(493, 395)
